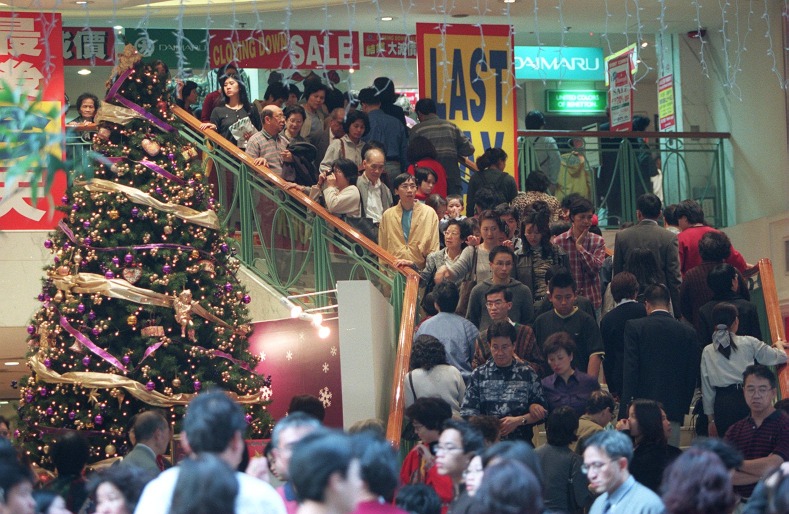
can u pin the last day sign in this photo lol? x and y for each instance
(468, 71)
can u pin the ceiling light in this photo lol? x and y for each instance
(12, 363)
(82, 2)
(118, 27)
(386, 18)
(84, 71)
(509, 1)
(644, 44)
(324, 332)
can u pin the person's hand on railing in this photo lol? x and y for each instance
(207, 125)
(260, 161)
(405, 263)
(780, 344)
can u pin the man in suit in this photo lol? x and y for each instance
(662, 356)
(152, 433)
(648, 234)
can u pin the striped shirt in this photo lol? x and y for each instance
(585, 264)
(270, 148)
(771, 437)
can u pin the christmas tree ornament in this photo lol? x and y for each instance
(149, 386)
(110, 450)
(132, 275)
(99, 419)
(131, 320)
(86, 361)
(152, 148)
(176, 382)
(197, 385)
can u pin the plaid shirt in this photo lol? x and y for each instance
(585, 264)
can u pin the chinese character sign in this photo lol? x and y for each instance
(88, 46)
(621, 93)
(31, 60)
(666, 103)
(401, 46)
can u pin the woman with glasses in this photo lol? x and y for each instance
(722, 365)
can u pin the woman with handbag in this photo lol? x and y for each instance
(455, 235)
(349, 146)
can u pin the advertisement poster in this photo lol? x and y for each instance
(31, 59)
(280, 49)
(402, 46)
(666, 103)
(468, 71)
(88, 46)
(621, 93)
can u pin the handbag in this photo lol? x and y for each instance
(362, 223)
(572, 504)
(408, 432)
(466, 286)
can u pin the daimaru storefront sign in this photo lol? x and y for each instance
(559, 63)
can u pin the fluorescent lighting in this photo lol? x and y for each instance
(84, 71)
(4, 402)
(386, 18)
(12, 363)
(118, 27)
(644, 44)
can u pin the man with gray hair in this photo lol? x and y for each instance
(287, 433)
(152, 433)
(606, 459)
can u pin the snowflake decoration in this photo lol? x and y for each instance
(325, 367)
(333, 351)
(325, 397)
(262, 356)
(266, 393)
(289, 355)
(301, 337)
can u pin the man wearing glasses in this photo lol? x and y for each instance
(606, 458)
(762, 437)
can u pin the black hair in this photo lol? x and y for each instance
(501, 249)
(189, 86)
(670, 215)
(313, 87)
(714, 246)
(243, 96)
(434, 201)
(725, 313)
(353, 116)
(446, 296)
(293, 89)
(377, 465)
(367, 96)
(698, 482)
(559, 341)
(649, 205)
(514, 450)
(385, 89)
(401, 179)
(486, 199)
(561, 278)
(642, 263)
(509, 487)
(430, 411)
(640, 123)
(614, 443)
(307, 404)
(657, 295)
(623, 285)
(760, 371)
(561, 426)
(128, 480)
(490, 214)
(212, 420)
(650, 420)
(500, 289)
(465, 229)
(348, 168)
(294, 109)
(418, 499)
(537, 181)
(539, 215)
(147, 423)
(425, 106)
(334, 99)
(580, 206)
(720, 278)
(489, 426)
(472, 439)
(568, 200)
(490, 157)
(599, 401)
(86, 96)
(315, 459)
(276, 91)
(427, 353)
(691, 210)
(726, 452)
(422, 173)
(420, 147)
(535, 120)
(70, 453)
(501, 328)
(205, 485)
(560, 227)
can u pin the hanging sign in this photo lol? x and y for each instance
(401, 46)
(559, 63)
(587, 101)
(621, 93)
(279, 49)
(165, 44)
(88, 46)
(467, 70)
(666, 103)
(31, 49)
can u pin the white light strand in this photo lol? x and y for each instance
(180, 40)
(645, 68)
(210, 77)
(506, 77)
(608, 15)
(562, 31)
(539, 43)
(727, 83)
(410, 36)
(702, 62)
(770, 52)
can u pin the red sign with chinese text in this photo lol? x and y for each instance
(88, 46)
(401, 46)
(31, 59)
(279, 49)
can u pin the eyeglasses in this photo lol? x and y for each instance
(596, 466)
(446, 449)
(751, 391)
(407, 186)
(494, 303)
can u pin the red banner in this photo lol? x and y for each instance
(31, 50)
(279, 49)
(401, 46)
(88, 46)
(620, 93)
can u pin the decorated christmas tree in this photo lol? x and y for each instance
(141, 308)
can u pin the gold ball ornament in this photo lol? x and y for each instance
(77, 258)
(58, 297)
(131, 320)
(63, 271)
(195, 254)
(113, 214)
(176, 382)
(168, 229)
(45, 449)
(110, 450)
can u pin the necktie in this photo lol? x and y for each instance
(607, 507)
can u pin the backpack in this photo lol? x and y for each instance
(494, 188)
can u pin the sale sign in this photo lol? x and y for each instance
(621, 93)
(280, 49)
(31, 61)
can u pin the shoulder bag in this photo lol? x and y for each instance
(466, 286)
(362, 223)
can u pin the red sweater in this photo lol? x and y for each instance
(689, 256)
(441, 184)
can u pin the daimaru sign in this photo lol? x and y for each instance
(559, 63)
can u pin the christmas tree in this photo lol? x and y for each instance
(141, 308)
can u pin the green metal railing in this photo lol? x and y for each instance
(692, 165)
